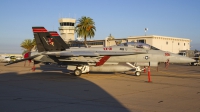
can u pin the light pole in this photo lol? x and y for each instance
(172, 45)
(145, 30)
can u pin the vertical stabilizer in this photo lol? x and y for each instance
(39, 32)
(47, 41)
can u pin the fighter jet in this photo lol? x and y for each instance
(51, 48)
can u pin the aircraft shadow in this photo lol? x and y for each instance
(51, 91)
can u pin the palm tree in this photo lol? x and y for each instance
(28, 44)
(85, 28)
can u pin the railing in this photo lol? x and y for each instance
(66, 27)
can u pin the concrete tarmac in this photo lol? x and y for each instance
(51, 88)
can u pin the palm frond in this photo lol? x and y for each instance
(28, 44)
(85, 28)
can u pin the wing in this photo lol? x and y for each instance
(78, 57)
(92, 53)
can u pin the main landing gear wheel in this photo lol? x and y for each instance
(77, 72)
(137, 73)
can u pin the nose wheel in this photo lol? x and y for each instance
(137, 73)
(137, 69)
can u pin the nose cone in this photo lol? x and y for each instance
(174, 58)
(186, 60)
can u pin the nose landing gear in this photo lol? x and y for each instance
(137, 69)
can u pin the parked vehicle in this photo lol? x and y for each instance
(12, 58)
(197, 62)
(19, 58)
(4, 58)
(187, 53)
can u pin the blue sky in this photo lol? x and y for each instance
(121, 18)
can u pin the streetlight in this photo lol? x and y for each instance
(145, 30)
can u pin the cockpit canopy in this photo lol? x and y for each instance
(139, 45)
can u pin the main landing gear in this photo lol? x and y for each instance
(77, 72)
(81, 69)
(85, 69)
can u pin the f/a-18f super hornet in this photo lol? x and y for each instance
(51, 48)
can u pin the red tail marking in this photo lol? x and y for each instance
(39, 30)
(54, 34)
(167, 54)
(50, 40)
(102, 60)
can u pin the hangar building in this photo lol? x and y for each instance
(165, 43)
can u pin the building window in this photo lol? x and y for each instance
(141, 41)
(167, 43)
(184, 44)
(178, 43)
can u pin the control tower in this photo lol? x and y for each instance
(67, 28)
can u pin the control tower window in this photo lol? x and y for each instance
(72, 24)
(66, 24)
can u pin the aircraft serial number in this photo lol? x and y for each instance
(107, 48)
(167, 54)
